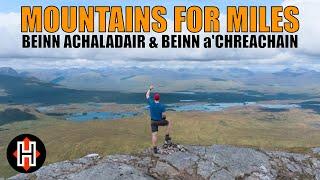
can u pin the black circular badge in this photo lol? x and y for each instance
(26, 153)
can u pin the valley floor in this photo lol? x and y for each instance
(295, 130)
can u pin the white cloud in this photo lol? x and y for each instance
(309, 33)
(13, 55)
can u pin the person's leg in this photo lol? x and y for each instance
(154, 142)
(154, 139)
(169, 127)
(167, 123)
(154, 129)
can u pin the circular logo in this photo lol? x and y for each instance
(26, 153)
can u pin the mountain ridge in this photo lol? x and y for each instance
(135, 79)
(8, 71)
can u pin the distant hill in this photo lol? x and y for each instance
(22, 90)
(57, 80)
(8, 71)
(136, 79)
(29, 90)
(12, 115)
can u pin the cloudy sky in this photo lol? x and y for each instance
(306, 56)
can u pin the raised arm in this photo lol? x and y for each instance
(148, 92)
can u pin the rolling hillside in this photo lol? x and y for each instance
(20, 90)
(134, 79)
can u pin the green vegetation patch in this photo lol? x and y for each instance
(12, 114)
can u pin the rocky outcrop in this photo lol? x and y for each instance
(190, 162)
(316, 150)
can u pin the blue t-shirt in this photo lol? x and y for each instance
(156, 110)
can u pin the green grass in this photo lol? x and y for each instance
(288, 131)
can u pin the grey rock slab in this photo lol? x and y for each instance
(183, 161)
(110, 171)
(199, 150)
(258, 176)
(206, 168)
(295, 163)
(294, 168)
(145, 162)
(284, 155)
(120, 158)
(222, 175)
(20, 177)
(315, 163)
(60, 169)
(238, 160)
(263, 174)
(164, 170)
(316, 150)
(317, 174)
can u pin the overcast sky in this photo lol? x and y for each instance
(306, 56)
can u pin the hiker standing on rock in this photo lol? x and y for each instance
(158, 118)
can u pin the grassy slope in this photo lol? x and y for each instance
(245, 127)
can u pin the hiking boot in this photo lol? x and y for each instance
(155, 150)
(167, 139)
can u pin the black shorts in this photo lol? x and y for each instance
(156, 124)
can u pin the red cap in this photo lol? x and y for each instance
(156, 96)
